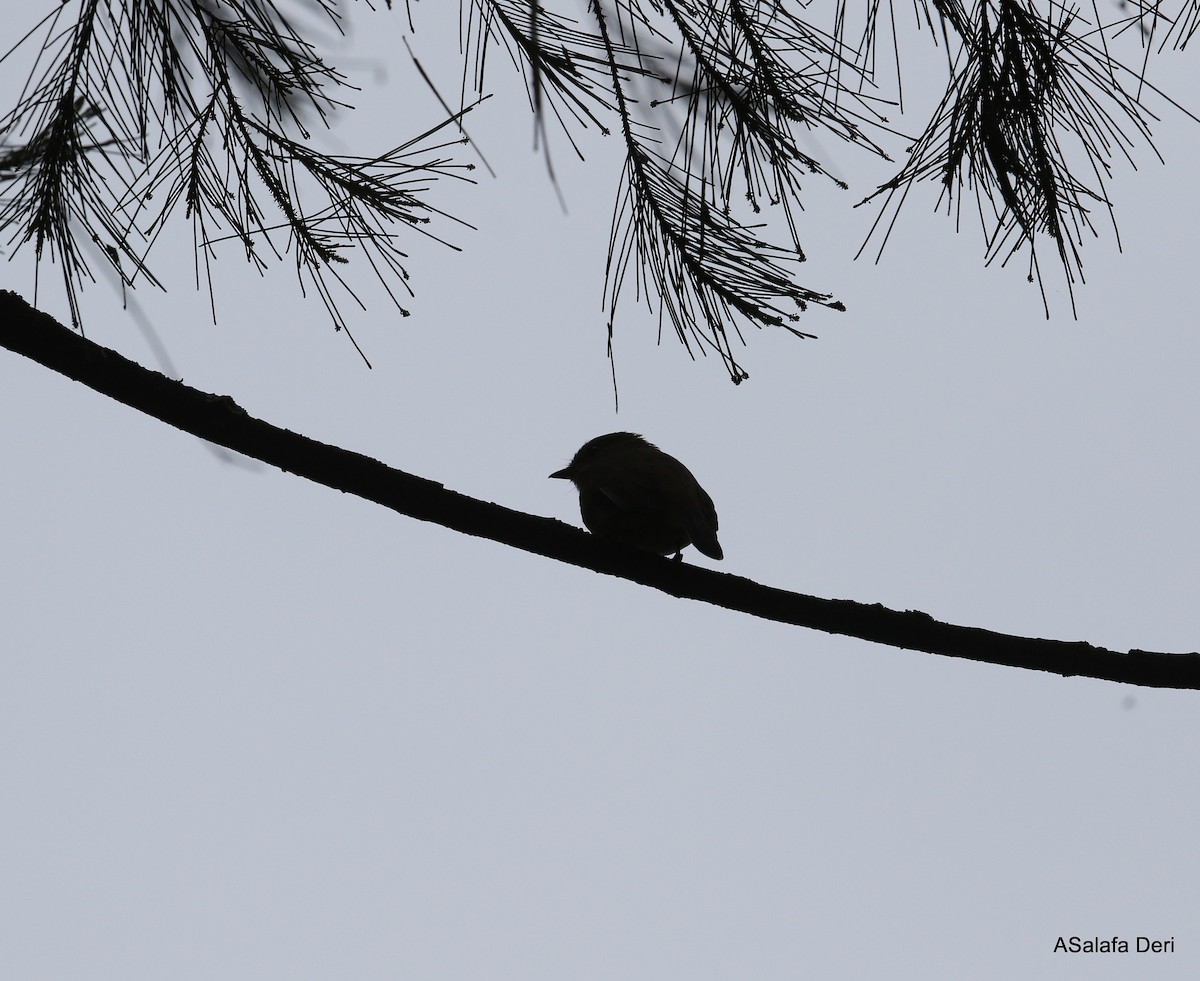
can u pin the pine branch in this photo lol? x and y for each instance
(1155, 21)
(704, 266)
(565, 67)
(745, 101)
(139, 105)
(1031, 104)
(749, 78)
(220, 420)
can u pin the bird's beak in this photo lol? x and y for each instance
(564, 474)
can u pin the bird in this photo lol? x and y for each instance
(632, 492)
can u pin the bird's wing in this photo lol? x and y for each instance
(659, 485)
(647, 484)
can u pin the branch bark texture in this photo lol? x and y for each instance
(222, 421)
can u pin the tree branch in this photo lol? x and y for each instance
(220, 420)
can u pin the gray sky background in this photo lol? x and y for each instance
(252, 728)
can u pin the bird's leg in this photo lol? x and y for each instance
(678, 556)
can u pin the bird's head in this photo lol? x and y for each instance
(600, 452)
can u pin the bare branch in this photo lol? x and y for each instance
(222, 421)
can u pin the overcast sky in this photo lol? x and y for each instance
(253, 728)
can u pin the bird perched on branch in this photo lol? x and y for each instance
(632, 492)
